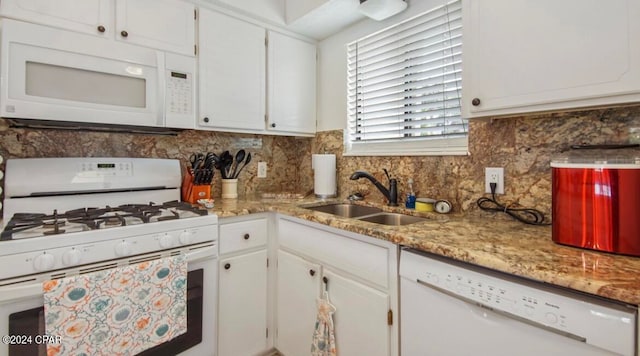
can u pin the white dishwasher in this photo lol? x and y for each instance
(449, 308)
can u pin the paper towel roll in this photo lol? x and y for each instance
(324, 177)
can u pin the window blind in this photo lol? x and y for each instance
(404, 84)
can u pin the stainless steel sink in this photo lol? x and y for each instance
(346, 210)
(392, 219)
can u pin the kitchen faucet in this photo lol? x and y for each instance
(391, 193)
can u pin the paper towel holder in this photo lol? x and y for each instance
(324, 180)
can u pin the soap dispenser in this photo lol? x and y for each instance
(410, 202)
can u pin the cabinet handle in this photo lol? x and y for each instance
(101, 28)
(312, 272)
(273, 124)
(246, 236)
(475, 102)
(227, 265)
(124, 33)
(325, 280)
(206, 119)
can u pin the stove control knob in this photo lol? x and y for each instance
(123, 248)
(166, 241)
(185, 237)
(71, 257)
(43, 262)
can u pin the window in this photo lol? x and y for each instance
(404, 85)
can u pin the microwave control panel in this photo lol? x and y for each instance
(179, 92)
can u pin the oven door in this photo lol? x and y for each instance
(22, 312)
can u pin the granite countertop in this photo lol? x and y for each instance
(485, 239)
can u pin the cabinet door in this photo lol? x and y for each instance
(242, 315)
(298, 288)
(163, 24)
(536, 55)
(292, 84)
(360, 319)
(88, 16)
(232, 73)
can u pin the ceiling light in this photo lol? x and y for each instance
(381, 9)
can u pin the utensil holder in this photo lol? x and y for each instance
(230, 188)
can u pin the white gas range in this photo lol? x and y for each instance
(70, 216)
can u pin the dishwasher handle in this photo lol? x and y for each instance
(503, 313)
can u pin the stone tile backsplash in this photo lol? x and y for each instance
(522, 145)
(283, 154)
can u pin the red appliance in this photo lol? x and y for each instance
(596, 203)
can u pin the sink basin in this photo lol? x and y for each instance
(346, 210)
(392, 219)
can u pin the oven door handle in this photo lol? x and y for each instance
(34, 288)
(21, 291)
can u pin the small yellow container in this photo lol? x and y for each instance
(424, 204)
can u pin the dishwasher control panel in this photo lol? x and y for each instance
(570, 314)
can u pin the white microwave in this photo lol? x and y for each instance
(59, 75)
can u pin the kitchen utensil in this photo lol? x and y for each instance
(210, 160)
(226, 160)
(244, 165)
(239, 159)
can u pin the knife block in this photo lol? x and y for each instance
(192, 192)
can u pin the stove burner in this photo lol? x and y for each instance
(117, 220)
(56, 228)
(55, 223)
(23, 225)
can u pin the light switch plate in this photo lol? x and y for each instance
(262, 169)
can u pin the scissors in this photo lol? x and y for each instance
(196, 159)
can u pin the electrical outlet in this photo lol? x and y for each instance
(494, 175)
(262, 169)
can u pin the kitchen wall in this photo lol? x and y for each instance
(522, 145)
(283, 154)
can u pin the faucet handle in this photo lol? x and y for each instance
(387, 173)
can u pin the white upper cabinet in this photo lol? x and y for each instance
(88, 16)
(540, 55)
(232, 73)
(291, 84)
(162, 24)
(169, 25)
(241, 82)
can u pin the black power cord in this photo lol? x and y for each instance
(525, 215)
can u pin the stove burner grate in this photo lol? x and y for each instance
(97, 218)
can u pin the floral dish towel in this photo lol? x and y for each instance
(324, 340)
(120, 311)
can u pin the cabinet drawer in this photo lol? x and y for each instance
(362, 259)
(243, 235)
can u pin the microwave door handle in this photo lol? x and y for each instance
(161, 90)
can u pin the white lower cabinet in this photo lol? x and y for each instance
(261, 307)
(361, 315)
(298, 288)
(243, 286)
(360, 275)
(242, 327)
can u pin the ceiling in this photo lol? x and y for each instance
(327, 19)
(317, 19)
